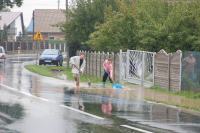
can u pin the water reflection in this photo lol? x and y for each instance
(9, 113)
(156, 115)
(73, 100)
(14, 111)
(106, 105)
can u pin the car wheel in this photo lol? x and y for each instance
(40, 63)
(57, 63)
(61, 62)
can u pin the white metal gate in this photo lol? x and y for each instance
(137, 67)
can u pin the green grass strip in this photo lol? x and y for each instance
(42, 70)
(48, 71)
(187, 94)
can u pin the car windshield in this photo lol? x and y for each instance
(50, 52)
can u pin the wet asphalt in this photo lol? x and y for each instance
(30, 103)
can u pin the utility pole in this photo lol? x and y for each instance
(66, 5)
(33, 44)
(67, 45)
(58, 4)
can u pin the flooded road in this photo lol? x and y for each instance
(30, 103)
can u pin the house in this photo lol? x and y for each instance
(47, 22)
(11, 24)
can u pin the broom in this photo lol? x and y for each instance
(89, 82)
(115, 85)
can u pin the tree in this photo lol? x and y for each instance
(168, 26)
(82, 20)
(10, 3)
(148, 25)
(118, 31)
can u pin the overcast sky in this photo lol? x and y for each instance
(29, 5)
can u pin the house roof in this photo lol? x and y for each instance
(45, 20)
(6, 18)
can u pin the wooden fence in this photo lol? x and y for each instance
(167, 67)
(94, 63)
(168, 70)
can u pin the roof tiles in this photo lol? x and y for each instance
(47, 19)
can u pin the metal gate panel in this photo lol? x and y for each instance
(122, 66)
(137, 67)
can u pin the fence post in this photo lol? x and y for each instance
(120, 65)
(64, 48)
(114, 65)
(102, 60)
(143, 64)
(127, 63)
(99, 64)
(95, 63)
(153, 63)
(60, 47)
(89, 63)
(180, 71)
(107, 55)
(169, 62)
(93, 73)
(85, 54)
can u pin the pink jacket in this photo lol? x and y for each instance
(108, 67)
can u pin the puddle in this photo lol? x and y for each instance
(130, 109)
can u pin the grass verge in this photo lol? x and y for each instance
(187, 94)
(49, 72)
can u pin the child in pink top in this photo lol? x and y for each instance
(108, 71)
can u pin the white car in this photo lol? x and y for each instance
(2, 54)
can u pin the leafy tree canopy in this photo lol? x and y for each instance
(150, 25)
(10, 3)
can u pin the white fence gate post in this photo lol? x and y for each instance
(127, 64)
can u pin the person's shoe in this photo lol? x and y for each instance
(89, 84)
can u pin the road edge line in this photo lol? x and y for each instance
(136, 129)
